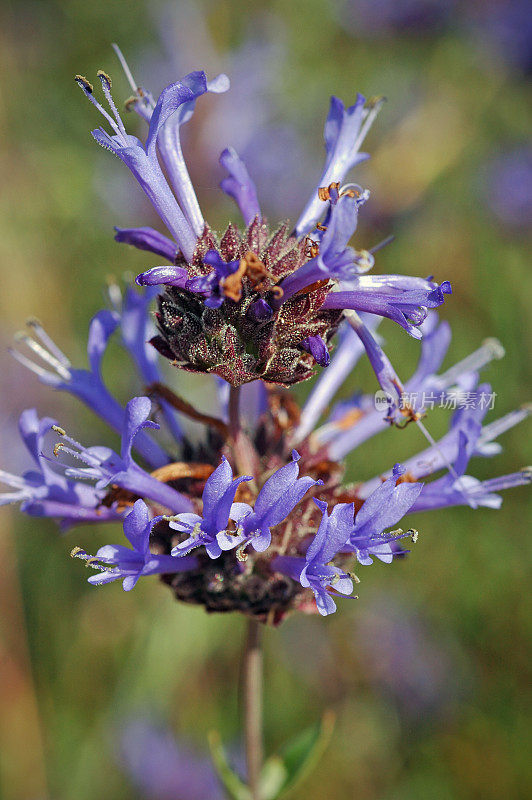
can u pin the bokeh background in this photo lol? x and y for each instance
(107, 694)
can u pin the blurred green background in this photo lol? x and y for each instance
(428, 671)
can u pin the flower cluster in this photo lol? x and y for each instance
(243, 520)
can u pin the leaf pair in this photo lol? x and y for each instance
(280, 773)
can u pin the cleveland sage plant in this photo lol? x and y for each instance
(255, 517)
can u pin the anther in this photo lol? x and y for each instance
(241, 552)
(57, 448)
(104, 77)
(58, 430)
(375, 101)
(131, 102)
(324, 192)
(84, 84)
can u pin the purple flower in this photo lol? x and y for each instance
(107, 467)
(507, 188)
(137, 328)
(457, 488)
(45, 493)
(345, 130)
(380, 18)
(504, 29)
(288, 295)
(211, 285)
(86, 385)
(147, 239)
(318, 350)
(142, 159)
(278, 497)
(239, 185)
(384, 507)
(163, 768)
(335, 260)
(466, 437)
(117, 562)
(347, 353)
(218, 509)
(315, 570)
(424, 384)
(159, 276)
(404, 300)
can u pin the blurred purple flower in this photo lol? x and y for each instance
(504, 29)
(417, 668)
(507, 188)
(380, 18)
(163, 768)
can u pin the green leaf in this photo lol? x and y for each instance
(272, 777)
(298, 758)
(233, 785)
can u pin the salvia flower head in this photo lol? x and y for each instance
(237, 519)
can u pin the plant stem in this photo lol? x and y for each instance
(252, 687)
(244, 452)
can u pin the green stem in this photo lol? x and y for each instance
(252, 688)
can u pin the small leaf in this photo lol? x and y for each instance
(272, 777)
(233, 785)
(298, 758)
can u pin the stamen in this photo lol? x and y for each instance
(44, 355)
(241, 552)
(114, 294)
(380, 245)
(80, 453)
(47, 340)
(29, 364)
(88, 90)
(312, 248)
(491, 349)
(503, 424)
(354, 190)
(131, 101)
(125, 67)
(445, 460)
(374, 105)
(106, 86)
(324, 192)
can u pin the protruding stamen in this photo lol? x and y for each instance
(373, 107)
(29, 364)
(125, 67)
(388, 240)
(79, 452)
(47, 341)
(88, 91)
(491, 349)
(48, 358)
(106, 86)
